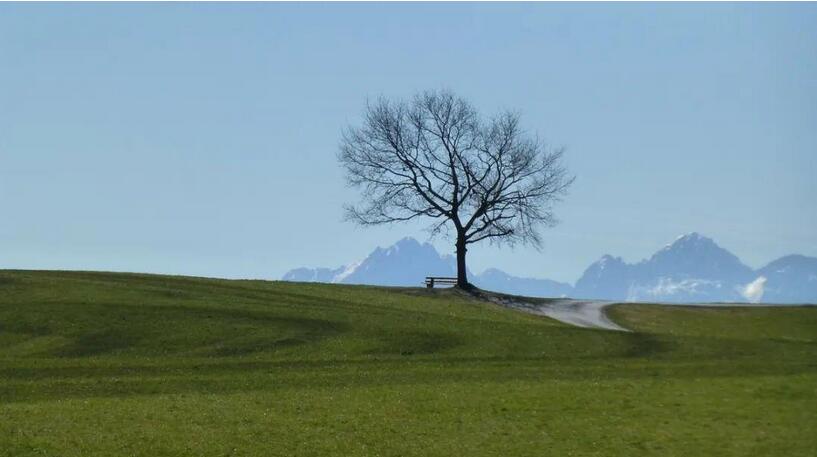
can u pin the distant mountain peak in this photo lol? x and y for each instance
(494, 271)
(692, 267)
(693, 244)
(608, 259)
(693, 236)
(694, 256)
(407, 242)
(691, 239)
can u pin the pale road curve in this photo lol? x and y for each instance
(581, 313)
(590, 313)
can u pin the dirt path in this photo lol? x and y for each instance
(581, 313)
(588, 313)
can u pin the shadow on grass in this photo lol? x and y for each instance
(66, 383)
(236, 375)
(210, 330)
(648, 345)
(407, 343)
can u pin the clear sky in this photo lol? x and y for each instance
(201, 138)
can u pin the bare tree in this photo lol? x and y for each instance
(434, 157)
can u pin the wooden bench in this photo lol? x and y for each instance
(431, 280)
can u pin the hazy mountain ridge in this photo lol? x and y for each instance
(691, 269)
(498, 280)
(405, 263)
(790, 279)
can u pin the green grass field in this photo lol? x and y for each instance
(103, 364)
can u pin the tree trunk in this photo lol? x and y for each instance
(462, 273)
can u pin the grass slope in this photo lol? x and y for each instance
(143, 365)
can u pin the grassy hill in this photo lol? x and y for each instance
(145, 365)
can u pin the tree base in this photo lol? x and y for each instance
(467, 287)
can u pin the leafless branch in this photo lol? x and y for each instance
(433, 156)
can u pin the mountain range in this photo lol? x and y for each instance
(693, 268)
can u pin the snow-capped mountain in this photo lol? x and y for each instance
(691, 269)
(696, 256)
(405, 263)
(313, 274)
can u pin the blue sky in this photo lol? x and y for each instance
(201, 138)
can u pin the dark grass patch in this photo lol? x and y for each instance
(407, 343)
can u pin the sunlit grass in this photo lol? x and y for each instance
(124, 364)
